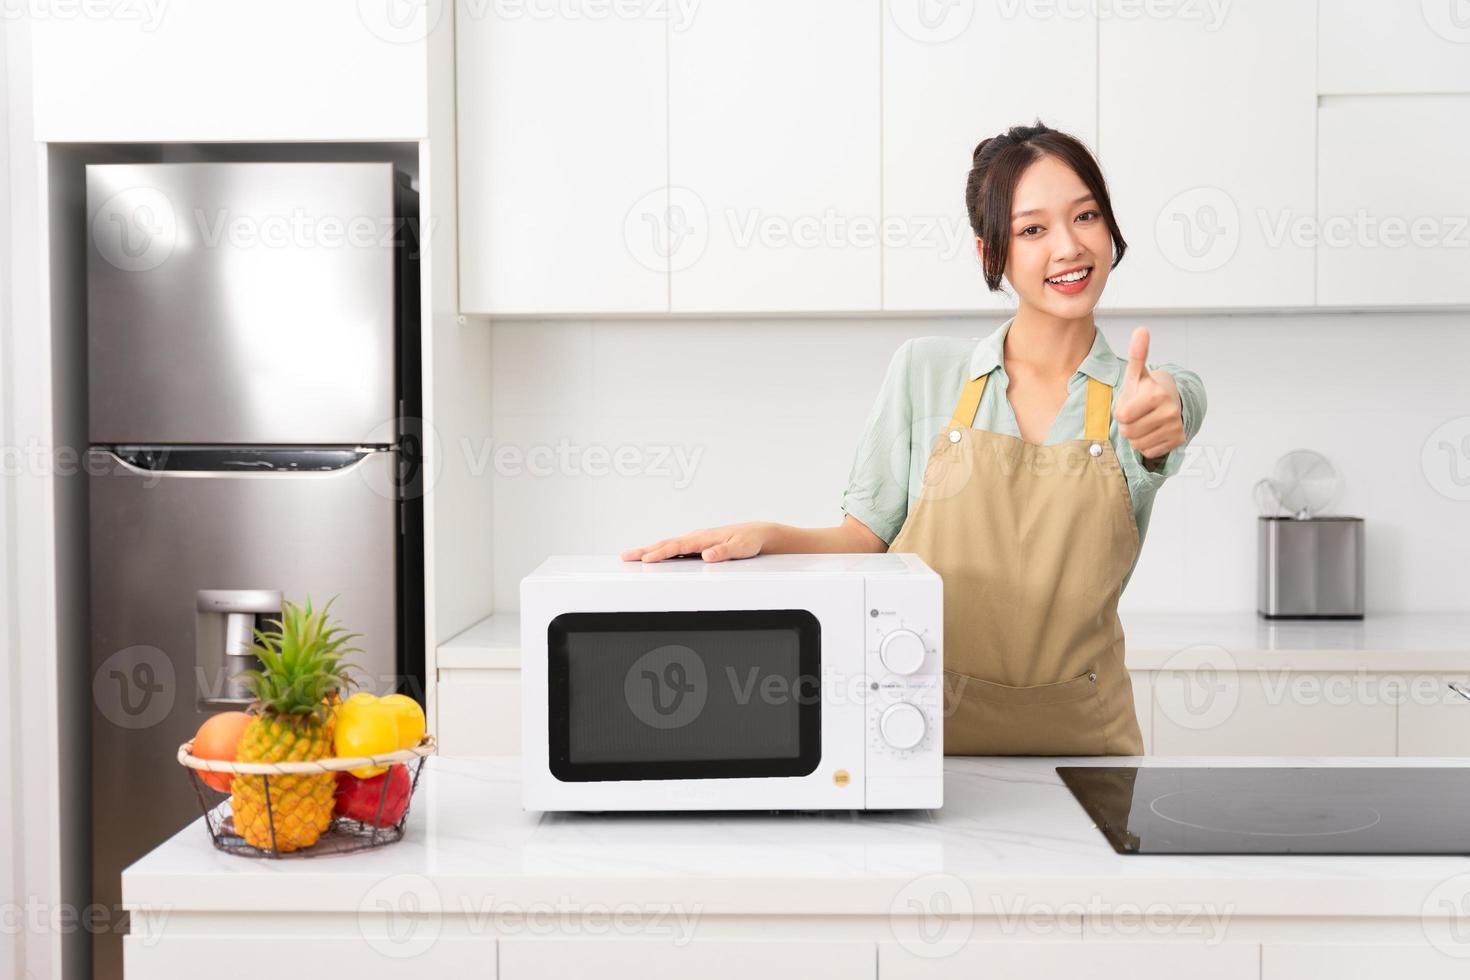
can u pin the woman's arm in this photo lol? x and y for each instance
(763, 538)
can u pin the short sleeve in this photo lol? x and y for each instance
(877, 490)
(1192, 413)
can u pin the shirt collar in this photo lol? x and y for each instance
(1100, 363)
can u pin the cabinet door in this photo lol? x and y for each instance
(774, 156)
(1443, 958)
(1434, 720)
(196, 70)
(1380, 46)
(479, 712)
(562, 160)
(678, 958)
(1277, 712)
(1205, 125)
(1094, 960)
(1393, 201)
(953, 75)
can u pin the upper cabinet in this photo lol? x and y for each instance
(1393, 46)
(952, 75)
(774, 157)
(200, 70)
(1393, 207)
(751, 156)
(563, 160)
(1206, 127)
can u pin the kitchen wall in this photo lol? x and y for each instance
(745, 419)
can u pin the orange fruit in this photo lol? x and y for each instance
(219, 738)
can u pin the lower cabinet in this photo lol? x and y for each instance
(639, 959)
(1096, 961)
(219, 956)
(479, 712)
(1425, 961)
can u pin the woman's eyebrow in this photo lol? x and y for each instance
(1081, 200)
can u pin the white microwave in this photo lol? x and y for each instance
(801, 682)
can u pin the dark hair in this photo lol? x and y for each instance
(995, 170)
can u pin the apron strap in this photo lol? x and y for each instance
(969, 404)
(1097, 418)
(1099, 414)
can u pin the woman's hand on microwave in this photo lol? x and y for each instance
(711, 544)
(760, 537)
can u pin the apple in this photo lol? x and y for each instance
(359, 799)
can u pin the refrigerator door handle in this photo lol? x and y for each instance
(345, 461)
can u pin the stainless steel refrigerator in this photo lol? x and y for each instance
(253, 396)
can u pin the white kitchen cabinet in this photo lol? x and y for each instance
(1393, 201)
(1209, 712)
(199, 70)
(774, 157)
(377, 952)
(1205, 132)
(1099, 960)
(1447, 960)
(563, 171)
(678, 957)
(952, 76)
(479, 712)
(1433, 720)
(1382, 46)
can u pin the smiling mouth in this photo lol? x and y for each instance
(1072, 278)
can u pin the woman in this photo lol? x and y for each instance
(1035, 497)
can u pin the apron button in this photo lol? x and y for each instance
(1095, 449)
(954, 435)
(1092, 677)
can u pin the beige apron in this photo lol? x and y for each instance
(1033, 543)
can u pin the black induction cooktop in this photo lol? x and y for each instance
(1276, 810)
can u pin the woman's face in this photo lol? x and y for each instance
(1057, 228)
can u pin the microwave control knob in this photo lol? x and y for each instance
(903, 726)
(902, 651)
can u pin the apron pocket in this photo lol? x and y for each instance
(985, 718)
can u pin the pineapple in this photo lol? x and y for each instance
(295, 692)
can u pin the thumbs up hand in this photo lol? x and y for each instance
(1149, 413)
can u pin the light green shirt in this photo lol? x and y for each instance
(918, 398)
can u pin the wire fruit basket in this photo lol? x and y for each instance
(344, 835)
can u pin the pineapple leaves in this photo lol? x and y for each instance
(301, 662)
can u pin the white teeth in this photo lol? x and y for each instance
(1071, 276)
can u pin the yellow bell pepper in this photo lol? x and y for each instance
(366, 726)
(410, 719)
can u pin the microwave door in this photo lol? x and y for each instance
(684, 695)
(241, 303)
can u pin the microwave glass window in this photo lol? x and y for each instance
(684, 695)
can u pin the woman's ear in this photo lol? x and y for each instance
(980, 250)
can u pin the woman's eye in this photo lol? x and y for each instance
(1026, 232)
(1088, 215)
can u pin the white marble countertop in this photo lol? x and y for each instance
(1009, 830)
(1434, 642)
